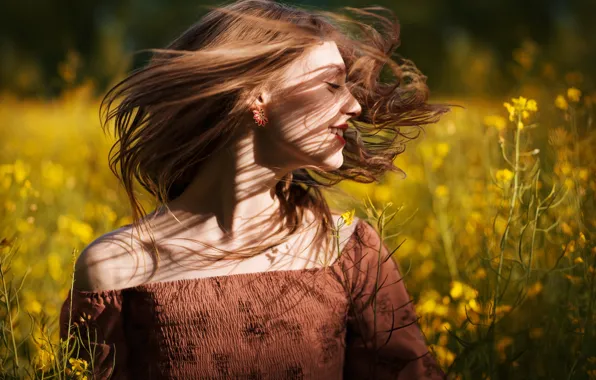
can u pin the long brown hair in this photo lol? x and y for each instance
(190, 99)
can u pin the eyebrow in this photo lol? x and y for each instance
(338, 69)
(341, 69)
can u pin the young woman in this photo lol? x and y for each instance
(235, 128)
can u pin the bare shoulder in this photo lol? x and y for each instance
(109, 262)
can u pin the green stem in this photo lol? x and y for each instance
(507, 226)
(14, 343)
(538, 204)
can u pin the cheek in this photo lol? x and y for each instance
(306, 115)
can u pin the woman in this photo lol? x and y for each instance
(229, 128)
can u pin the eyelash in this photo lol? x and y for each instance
(333, 85)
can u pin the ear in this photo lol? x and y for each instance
(260, 100)
(257, 97)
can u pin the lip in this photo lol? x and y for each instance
(341, 139)
(342, 126)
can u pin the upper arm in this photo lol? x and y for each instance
(91, 316)
(105, 264)
(384, 338)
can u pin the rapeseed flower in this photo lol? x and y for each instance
(504, 175)
(441, 191)
(348, 216)
(44, 359)
(573, 94)
(561, 103)
(78, 368)
(461, 290)
(520, 107)
(442, 149)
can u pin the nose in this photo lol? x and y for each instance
(352, 107)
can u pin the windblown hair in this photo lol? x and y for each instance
(192, 98)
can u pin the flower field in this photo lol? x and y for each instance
(494, 221)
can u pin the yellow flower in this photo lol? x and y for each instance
(82, 230)
(561, 102)
(348, 216)
(459, 290)
(442, 149)
(21, 171)
(43, 360)
(511, 110)
(79, 366)
(456, 289)
(442, 191)
(520, 102)
(472, 304)
(33, 306)
(573, 94)
(504, 175)
(583, 174)
(521, 107)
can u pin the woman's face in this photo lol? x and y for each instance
(307, 105)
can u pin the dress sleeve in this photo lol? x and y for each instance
(97, 319)
(389, 345)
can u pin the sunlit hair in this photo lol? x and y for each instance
(192, 99)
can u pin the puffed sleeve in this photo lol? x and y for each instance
(97, 317)
(390, 345)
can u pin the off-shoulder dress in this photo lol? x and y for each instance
(313, 323)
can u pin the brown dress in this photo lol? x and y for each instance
(315, 323)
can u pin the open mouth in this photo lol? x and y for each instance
(337, 131)
(339, 134)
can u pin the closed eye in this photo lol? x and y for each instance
(333, 85)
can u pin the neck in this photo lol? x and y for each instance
(234, 191)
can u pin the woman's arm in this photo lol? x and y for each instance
(96, 323)
(384, 340)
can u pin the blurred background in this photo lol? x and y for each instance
(464, 47)
(494, 219)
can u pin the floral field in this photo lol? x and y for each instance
(493, 224)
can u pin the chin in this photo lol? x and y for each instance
(334, 161)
